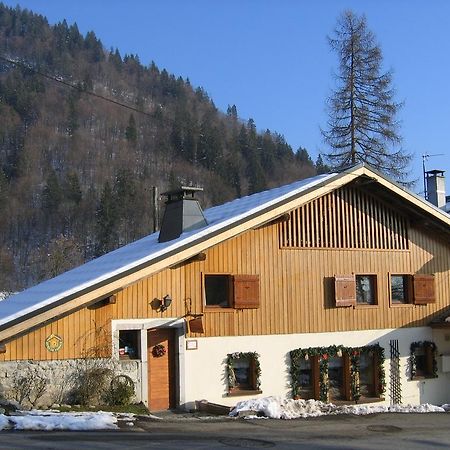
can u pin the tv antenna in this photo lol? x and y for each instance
(425, 157)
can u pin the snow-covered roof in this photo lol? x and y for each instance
(148, 251)
(144, 251)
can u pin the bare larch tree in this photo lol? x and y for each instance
(362, 124)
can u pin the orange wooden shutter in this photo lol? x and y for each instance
(345, 290)
(423, 289)
(246, 291)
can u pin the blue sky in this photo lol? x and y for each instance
(272, 60)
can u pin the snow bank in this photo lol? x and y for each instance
(49, 421)
(278, 408)
(4, 422)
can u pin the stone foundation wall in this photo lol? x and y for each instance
(44, 383)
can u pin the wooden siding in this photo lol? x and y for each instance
(345, 218)
(296, 291)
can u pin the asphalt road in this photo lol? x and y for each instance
(377, 431)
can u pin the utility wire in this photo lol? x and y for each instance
(79, 88)
(76, 87)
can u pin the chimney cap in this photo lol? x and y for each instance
(435, 172)
(182, 193)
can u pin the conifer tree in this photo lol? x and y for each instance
(362, 124)
(106, 220)
(131, 130)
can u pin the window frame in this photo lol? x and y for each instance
(375, 303)
(409, 290)
(345, 387)
(254, 374)
(430, 364)
(374, 375)
(136, 338)
(315, 380)
(218, 308)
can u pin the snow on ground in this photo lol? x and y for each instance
(279, 408)
(269, 407)
(52, 420)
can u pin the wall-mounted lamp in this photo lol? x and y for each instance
(162, 305)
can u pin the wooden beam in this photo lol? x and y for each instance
(109, 300)
(196, 258)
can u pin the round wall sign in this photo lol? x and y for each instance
(53, 343)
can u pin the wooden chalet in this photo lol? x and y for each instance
(325, 288)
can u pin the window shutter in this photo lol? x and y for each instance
(423, 286)
(345, 290)
(246, 291)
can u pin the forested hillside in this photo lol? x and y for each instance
(77, 166)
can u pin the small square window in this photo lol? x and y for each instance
(243, 373)
(399, 289)
(366, 289)
(129, 344)
(423, 360)
(218, 290)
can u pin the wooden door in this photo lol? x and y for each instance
(161, 369)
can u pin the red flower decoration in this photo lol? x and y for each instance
(158, 350)
(324, 356)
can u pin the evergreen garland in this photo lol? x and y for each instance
(323, 354)
(412, 357)
(249, 356)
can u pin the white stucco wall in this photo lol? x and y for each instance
(202, 373)
(205, 375)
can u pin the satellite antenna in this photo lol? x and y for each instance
(425, 157)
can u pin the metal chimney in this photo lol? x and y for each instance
(436, 187)
(182, 213)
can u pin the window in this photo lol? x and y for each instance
(243, 371)
(338, 373)
(218, 290)
(368, 384)
(336, 386)
(423, 360)
(129, 344)
(308, 378)
(352, 290)
(400, 289)
(228, 291)
(366, 289)
(418, 289)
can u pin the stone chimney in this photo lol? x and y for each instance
(182, 213)
(436, 187)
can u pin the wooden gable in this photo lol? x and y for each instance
(345, 218)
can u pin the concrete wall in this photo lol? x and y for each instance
(205, 376)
